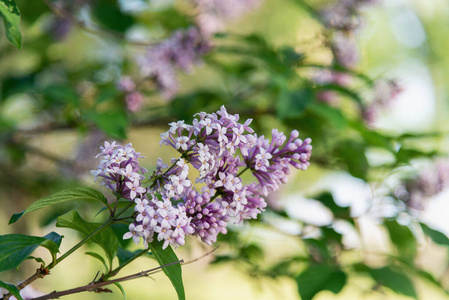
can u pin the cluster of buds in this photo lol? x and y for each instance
(221, 149)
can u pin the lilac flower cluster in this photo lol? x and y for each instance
(384, 92)
(344, 18)
(221, 149)
(182, 50)
(213, 15)
(133, 98)
(429, 182)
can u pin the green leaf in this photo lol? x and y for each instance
(99, 257)
(317, 278)
(340, 212)
(15, 248)
(173, 272)
(11, 18)
(402, 237)
(436, 236)
(397, 282)
(12, 289)
(292, 104)
(328, 114)
(61, 94)
(106, 239)
(353, 154)
(112, 123)
(122, 290)
(124, 255)
(79, 193)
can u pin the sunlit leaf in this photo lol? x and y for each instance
(402, 237)
(106, 239)
(15, 248)
(173, 272)
(12, 289)
(11, 19)
(79, 193)
(317, 278)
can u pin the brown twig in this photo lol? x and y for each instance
(40, 273)
(97, 286)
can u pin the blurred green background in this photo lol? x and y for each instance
(59, 101)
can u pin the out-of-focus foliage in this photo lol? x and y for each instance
(102, 68)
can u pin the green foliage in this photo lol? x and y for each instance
(100, 258)
(15, 248)
(173, 272)
(11, 19)
(391, 278)
(79, 193)
(436, 236)
(318, 278)
(125, 256)
(12, 289)
(402, 237)
(106, 239)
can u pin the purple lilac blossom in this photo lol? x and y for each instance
(221, 149)
(384, 93)
(182, 50)
(428, 183)
(213, 15)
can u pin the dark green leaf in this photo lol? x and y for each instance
(317, 278)
(328, 114)
(108, 14)
(61, 94)
(124, 255)
(327, 199)
(291, 104)
(404, 155)
(403, 238)
(342, 90)
(12, 289)
(353, 154)
(436, 236)
(79, 193)
(290, 57)
(106, 239)
(15, 248)
(397, 282)
(99, 257)
(173, 272)
(11, 18)
(113, 124)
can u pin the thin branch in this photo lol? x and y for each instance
(96, 286)
(200, 257)
(40, 273)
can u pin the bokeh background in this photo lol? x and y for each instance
(366, 80)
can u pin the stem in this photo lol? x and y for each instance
(40, 273)
(89, 237)
(114, 272)
(242, 171)
(96, 286)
